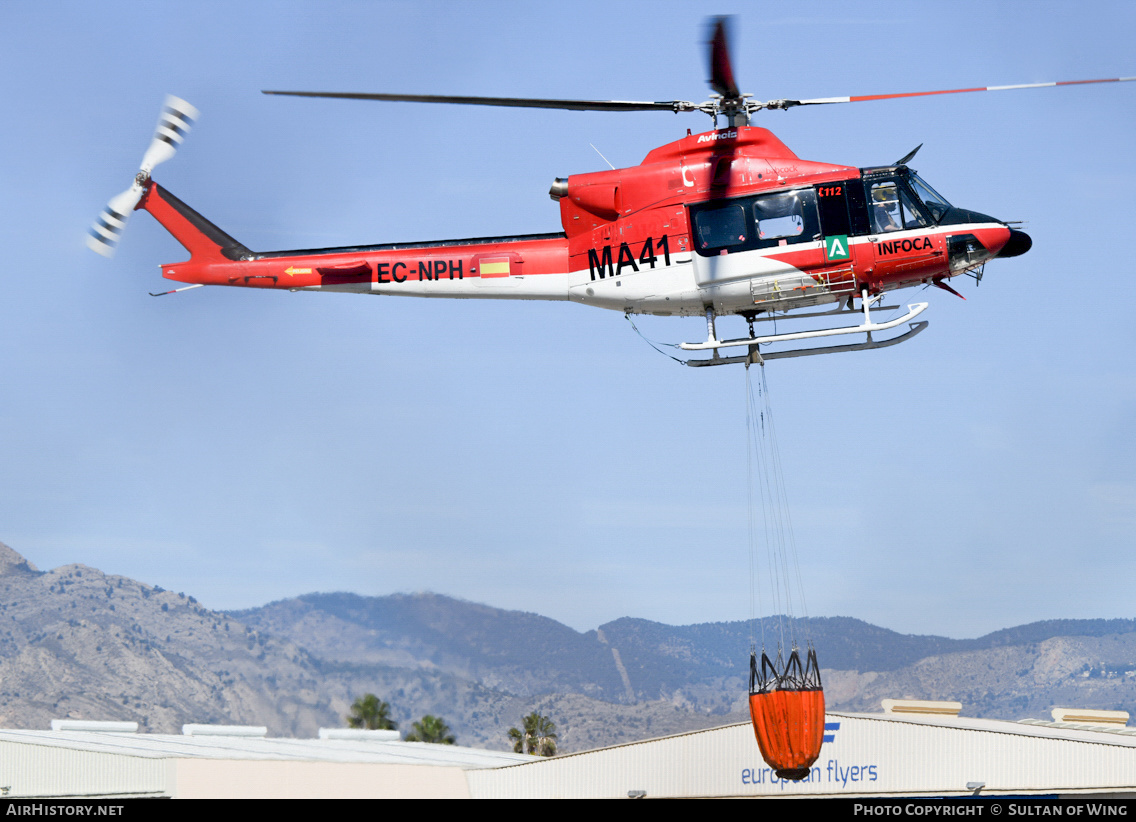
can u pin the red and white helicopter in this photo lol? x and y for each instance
(727, 222)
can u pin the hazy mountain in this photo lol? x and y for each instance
(529, 654)
(75, 642)
(702, 667)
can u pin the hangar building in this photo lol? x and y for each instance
(883, 755)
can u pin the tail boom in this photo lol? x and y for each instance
(526, 267)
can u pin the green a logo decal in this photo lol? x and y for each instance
(836, 247)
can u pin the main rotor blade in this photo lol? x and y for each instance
(721, 68)
(513, 102)
(863, 98)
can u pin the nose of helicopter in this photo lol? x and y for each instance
(1018, 244)
(999, 238)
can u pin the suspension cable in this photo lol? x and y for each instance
(764, 468)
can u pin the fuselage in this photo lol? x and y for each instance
(730, 220)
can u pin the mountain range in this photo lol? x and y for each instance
(75, 642)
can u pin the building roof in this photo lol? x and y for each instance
(164, 746)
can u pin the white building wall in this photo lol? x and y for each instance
(245, 779)
(867, 755)
(43, 770)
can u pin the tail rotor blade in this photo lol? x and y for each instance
(107, 231)
(174, 124)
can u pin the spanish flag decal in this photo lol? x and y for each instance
(495, 267)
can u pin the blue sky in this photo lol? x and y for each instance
(246, 446)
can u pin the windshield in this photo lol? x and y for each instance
(935, 203)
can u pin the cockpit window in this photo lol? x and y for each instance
(893, 208)
(935, 203)
(885, 208)
(913, 216)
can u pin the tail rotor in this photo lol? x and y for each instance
(174, 124)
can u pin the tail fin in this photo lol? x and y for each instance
(204, 241)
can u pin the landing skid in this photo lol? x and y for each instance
(756, 357)
(753, 343)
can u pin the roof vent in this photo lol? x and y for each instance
(224, 730)
(921, 706)
(1084, 716)
(95, 726)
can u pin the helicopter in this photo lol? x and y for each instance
(725, 222)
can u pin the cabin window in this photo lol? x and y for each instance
(779, 216)
(786, 217)
(748, 223)
(721, 228)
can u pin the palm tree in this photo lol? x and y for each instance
(371, 713)
(538, 737)
(431, 729)
(543, 734)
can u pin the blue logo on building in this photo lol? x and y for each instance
(830, 729)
